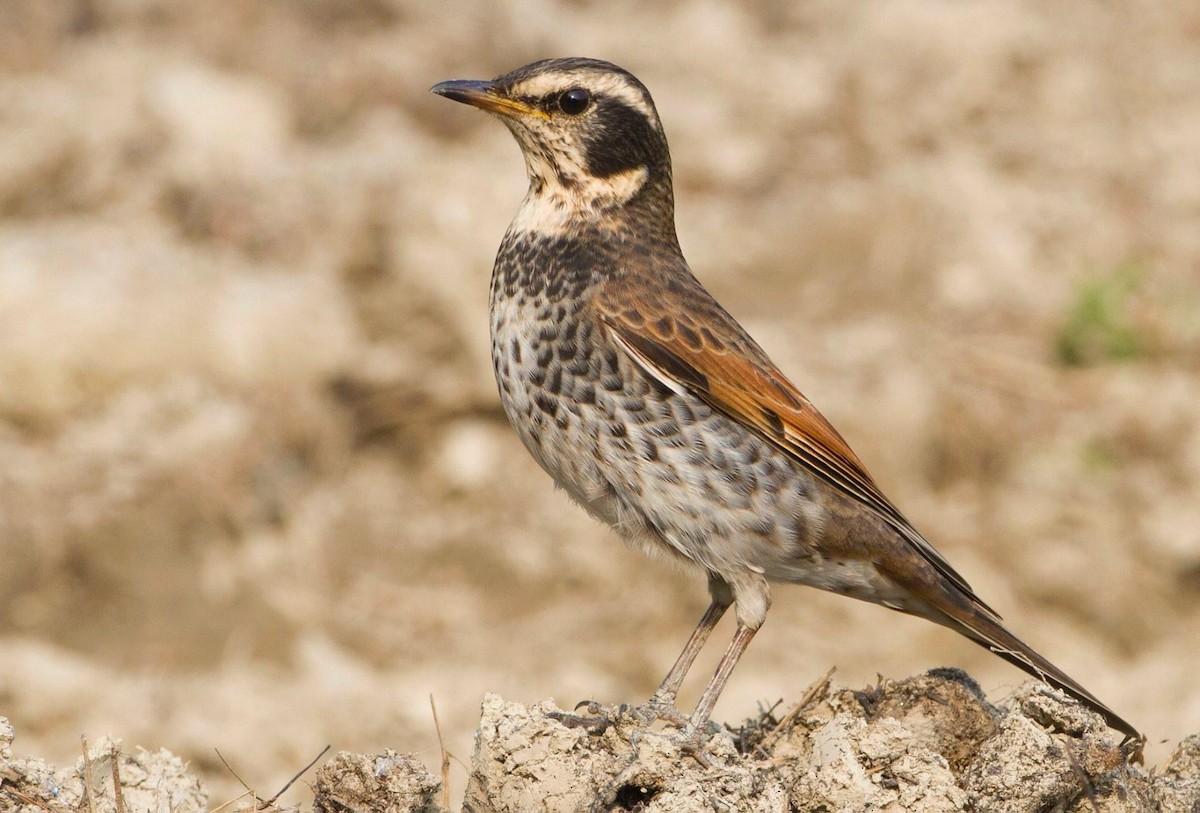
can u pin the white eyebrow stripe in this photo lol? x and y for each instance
(631, 96)
(604, 83)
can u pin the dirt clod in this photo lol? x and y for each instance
(376, 783)
(149, 782)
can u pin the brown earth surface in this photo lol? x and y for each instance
(932, 744)
(256, 493)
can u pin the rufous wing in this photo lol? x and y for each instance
(716, 361)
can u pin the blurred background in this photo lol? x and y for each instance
(256, 491)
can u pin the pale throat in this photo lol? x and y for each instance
(566, 197)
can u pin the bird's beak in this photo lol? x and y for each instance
(485, 96)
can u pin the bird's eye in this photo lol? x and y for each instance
(574, 101)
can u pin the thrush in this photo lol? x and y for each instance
(658, 413)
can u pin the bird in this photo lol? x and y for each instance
(647, 402)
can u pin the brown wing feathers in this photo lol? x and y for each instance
(721, 365)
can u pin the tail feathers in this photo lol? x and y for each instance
(986, 630)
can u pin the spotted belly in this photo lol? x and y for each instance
(665, 470)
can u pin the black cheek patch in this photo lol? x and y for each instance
(619, 139)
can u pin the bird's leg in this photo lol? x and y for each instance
(741, 640)
(662, 703)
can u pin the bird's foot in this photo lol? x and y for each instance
(661, 707)
(689, 738)
(597, 717)
(693, 741)
(597, 720)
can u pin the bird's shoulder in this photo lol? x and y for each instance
(678, 332)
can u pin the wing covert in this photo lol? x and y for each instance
(715, 360)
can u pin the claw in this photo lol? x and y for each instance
(595, 725)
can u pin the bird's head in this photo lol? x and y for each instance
(589, 131)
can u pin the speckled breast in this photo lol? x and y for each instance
(548, 363)
(663, 468)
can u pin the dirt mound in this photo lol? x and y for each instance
(931, 743)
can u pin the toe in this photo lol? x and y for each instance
(656, 709)
(594, 724)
